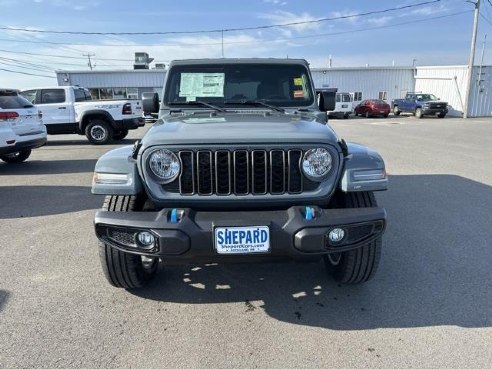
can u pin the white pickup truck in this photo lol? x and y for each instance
(69, 109)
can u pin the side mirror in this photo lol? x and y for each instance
(326, 98)
(150, 102)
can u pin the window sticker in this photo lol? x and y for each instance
(202, 85)
(297, 81)
(298, 94)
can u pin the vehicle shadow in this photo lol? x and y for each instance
(4, 298)
(435, 268)
(34, 201)
(33, 167)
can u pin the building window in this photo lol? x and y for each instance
(94, 93)
(119, 93)
(106, 93)
(358, 96)
(132, 93)
(383, 95)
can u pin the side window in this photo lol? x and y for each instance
(79, 94)
(338, 98)
(29, 95)
(383, 95)
(346, 98)
(52, 96)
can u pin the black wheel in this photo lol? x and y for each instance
(385, 115)
(367, 114)
(346, 115)
(120, 268)
(396, 110)
(360, 265)
(418, 113)
(99, 132)
(441, 115)
(120, 135)
(16, 157)
(356, 114)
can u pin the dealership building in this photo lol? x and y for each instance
(446, 82)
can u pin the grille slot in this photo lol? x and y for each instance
(241, 172)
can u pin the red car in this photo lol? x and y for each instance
(370, 108)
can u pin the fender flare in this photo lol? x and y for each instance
(86, 116)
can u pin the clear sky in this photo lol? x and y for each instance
(384, 38)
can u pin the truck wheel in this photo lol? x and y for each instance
(396, 110)
(99, 132)
(122, 269)
(16, 157)
(418, 113)
(346, 115)
(120, 135)
(359, 265)
(441, 115)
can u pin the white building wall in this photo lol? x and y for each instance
(396, 81)
(448, 83)
(104, 79)
(481, 92)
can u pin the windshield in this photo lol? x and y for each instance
(425, 97)
(221, 84)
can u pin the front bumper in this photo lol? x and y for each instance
(434, 111)
(131, 123)
(191, 237)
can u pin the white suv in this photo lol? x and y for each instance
(21, 127)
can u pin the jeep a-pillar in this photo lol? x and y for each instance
(241, 166)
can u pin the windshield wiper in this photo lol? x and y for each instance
(198, 102)
(255, 102)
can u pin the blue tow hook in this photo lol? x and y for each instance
(309, 213)
(174, 216)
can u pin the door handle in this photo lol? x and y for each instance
(62, 107)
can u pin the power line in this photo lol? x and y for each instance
(290, 24)
(245, 42)
(60, 56)
(29, 74)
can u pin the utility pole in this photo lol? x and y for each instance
(472, 58)
(89, 57)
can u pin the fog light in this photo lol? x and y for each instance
(145, 239)
(336, 234)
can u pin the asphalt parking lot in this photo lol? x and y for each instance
(429, 306)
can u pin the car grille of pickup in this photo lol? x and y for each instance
(241, 172)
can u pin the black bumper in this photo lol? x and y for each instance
(132, 123)
(434, 111)
(191, 239)
(24, 145)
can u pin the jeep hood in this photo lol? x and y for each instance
(235, 128)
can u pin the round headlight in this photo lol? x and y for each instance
(165, 165)
(316, 163)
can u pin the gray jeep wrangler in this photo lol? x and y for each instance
(241, 166)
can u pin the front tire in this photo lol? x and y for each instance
(441, 115)
(16, 157)
(359, 265)
(367, 114)
(396, 110)
(122, 269)
(418, 113)
(99, 132)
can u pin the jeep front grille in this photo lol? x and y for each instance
(240, 172)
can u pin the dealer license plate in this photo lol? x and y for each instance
(242, 240)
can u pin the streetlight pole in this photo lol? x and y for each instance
(472, 58)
